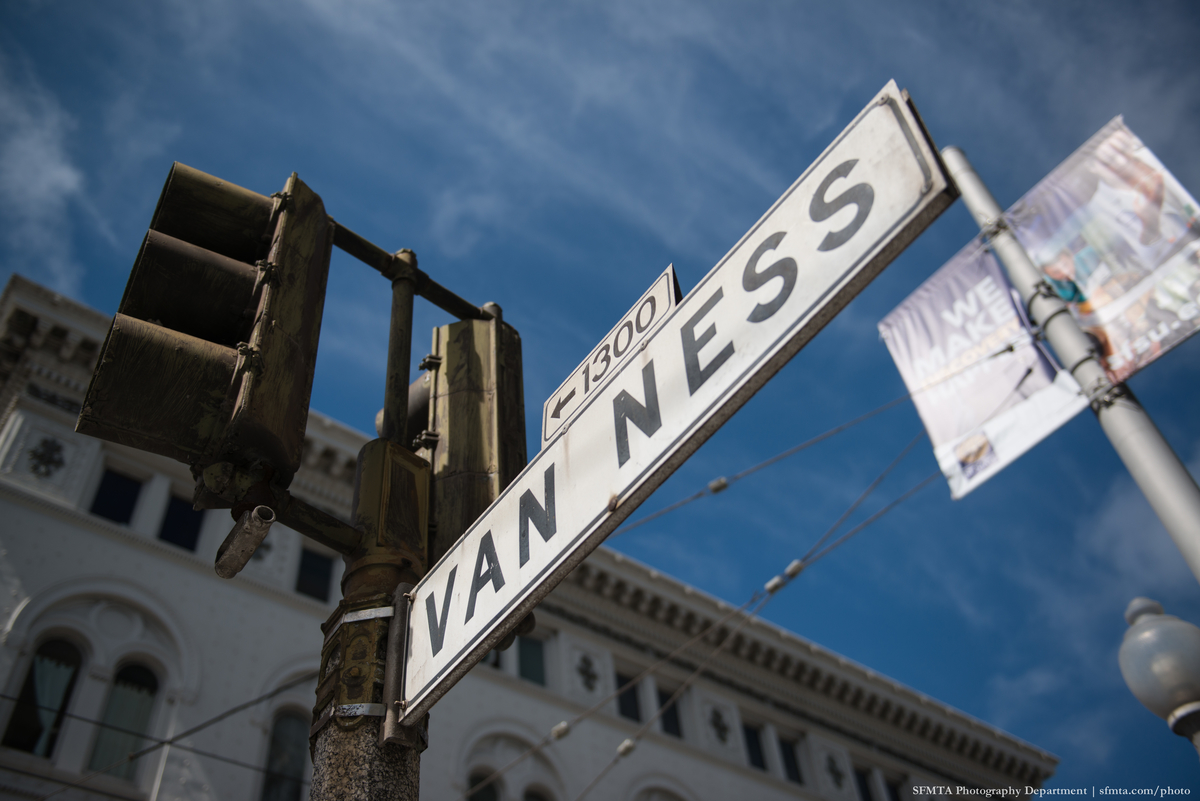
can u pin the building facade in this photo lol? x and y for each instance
(116, 634)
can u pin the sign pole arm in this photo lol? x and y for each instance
(1158, 471)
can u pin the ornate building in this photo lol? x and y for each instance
(116, 634)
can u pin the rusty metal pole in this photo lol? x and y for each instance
(351, 761)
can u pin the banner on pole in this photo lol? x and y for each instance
(984, 388)
(1117, 237)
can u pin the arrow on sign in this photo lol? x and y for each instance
(869, 194)
(558, 407)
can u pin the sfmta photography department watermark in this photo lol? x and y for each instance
(930, 791)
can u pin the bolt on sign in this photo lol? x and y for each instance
(868, 195)
(613, 351)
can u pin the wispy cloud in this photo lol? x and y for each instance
(38, 182)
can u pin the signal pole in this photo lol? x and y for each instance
(351, 758)
(1161, 476)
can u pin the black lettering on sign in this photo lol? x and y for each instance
(697, 375)
(541, 517)
(487, 553)
(627, 410)
(638, 317)
(618, 348)
(860, 195)
(607, 361)
(785, 268)
(437, 629)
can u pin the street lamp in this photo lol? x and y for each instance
(1160, 660)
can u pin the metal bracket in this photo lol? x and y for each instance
(430, 362)
(394, 703)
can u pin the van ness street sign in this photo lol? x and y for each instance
(868, 195)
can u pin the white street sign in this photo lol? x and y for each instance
(614, 350)
(869, 194)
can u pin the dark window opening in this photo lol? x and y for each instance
(485, 793)
(791, 765)
(116, 497)
(627, 701)
(492, 659)
(181, 525)
(126, 719)
(862, 779)
(893, 791)
(286, 759)
(534, 795)
(316, 571)
(531, 659)
(754, 749)
(40, 708)
(670, 714)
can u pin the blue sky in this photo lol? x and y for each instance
(554, 157)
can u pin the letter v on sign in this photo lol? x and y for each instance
(637, 416)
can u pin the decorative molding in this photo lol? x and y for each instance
(828, 689)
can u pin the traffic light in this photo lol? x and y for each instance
(476, 434)
(211, 353)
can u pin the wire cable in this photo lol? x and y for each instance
(761, 596)
(144, 736)
(564, 728)
(721, 483)
(174, 740)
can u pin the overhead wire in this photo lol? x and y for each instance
(722, 483)
(136, 755)
(141, 735)
(762, 597)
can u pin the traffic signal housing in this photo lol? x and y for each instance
(211, 354)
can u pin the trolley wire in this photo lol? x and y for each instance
(144, 736)
(761, 597)
(722, 483)
(136, 755)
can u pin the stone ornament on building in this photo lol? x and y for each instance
(835, 776)
(717, 721)
(47, 458)
(586, 669)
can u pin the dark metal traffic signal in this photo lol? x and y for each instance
(211, 353)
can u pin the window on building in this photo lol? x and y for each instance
(791, 764)
(284, 779)
(533, 794)
(862, 780)
(492, 659)
(893, 790)
(40, 708)
(181, 524)
(125, 721)
(116, 497)
(486, 793)
(754, 748)
(316, 570)
(627, 701)
(670, 713)
(531, 660)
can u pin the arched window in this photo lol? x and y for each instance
(490, 792)
(286, 759)
(38, 716)
(126, 719)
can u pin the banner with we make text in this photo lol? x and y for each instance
(983, 387)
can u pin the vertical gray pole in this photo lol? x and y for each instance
(1162, 477)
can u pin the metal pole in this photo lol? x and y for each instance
(395, 395)
(350, 760)
(1162, 477)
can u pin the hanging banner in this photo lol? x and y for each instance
(1117, 237)
(983, 387)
